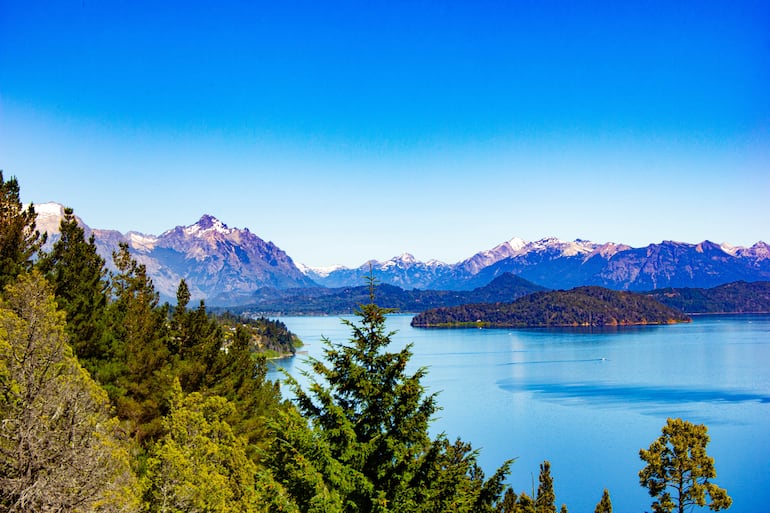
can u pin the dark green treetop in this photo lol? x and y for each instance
(367, 443)
(78, 277)
(19, 240)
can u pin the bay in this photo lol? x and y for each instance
(588, 400)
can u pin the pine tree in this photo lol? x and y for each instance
(678, 472)
(241, 377)
(78, 276)
(368, 442)
(138, 372)
(19, 241)
(508, 504)
(526, 504)
(546, 498)
(604, 505)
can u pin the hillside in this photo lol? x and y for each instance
(344, 300)
(736, 297)
(228, 266)
(583, 306)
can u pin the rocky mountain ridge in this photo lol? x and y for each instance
(558, 264)
(214, 259)
(219, 262)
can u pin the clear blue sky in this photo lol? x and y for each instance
(344, 131)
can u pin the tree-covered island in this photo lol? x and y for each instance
(582, 306)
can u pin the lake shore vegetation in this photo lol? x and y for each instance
(113, 402)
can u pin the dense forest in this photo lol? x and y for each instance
(346, 300)
(582, 306)
(736, 297)
(112, 402)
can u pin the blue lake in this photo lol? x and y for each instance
(587, 401)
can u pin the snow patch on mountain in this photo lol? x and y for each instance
(49, 216)
(142, 242)
(321, 271)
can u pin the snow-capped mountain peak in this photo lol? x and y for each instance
(49, 209)
(517, 243)
(207, 224)
(49, 216)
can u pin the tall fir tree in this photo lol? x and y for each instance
(78, 276)
(19, 240)
(138, 373)
(368, 441)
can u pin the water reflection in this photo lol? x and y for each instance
(601, 393)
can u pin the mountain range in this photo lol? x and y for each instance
(226, 265)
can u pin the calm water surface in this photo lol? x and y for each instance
(589, 400)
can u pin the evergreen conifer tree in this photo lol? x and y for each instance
(19, 240)
(678, 472)
(368, 442)
(138, 372)
(604, 505)
(78, 276)
(546, 498)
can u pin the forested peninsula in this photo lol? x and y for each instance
(582, 306)
(733, 298)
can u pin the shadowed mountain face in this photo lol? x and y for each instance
(221, 263)
(557, 264)
(214, 260)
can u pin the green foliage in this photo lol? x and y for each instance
(736, 297)
(345, 300)
(367, 447)
(78, 277)
(136, 371)
(19, 241)
(604, 505)
(583, 306)
(269, 336)
(59, 448)
(546, 498)
(201, 464)
(678, 472)
(526, 504)
(241, 377)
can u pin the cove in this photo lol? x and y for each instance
(588, 400)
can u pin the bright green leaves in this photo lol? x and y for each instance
(58, 444)
(679, 471)
(200, 464)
